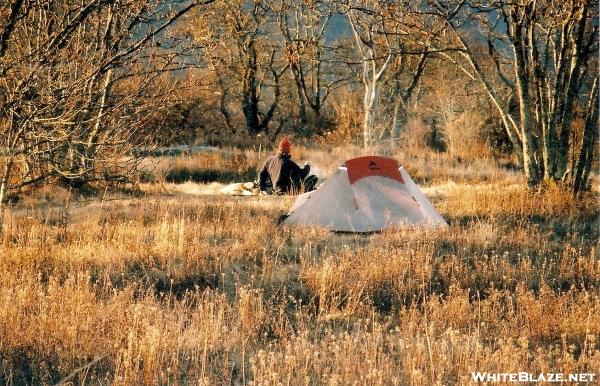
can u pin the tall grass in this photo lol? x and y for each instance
(204, 290)
(237, 165)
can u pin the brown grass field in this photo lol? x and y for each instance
(180, 287)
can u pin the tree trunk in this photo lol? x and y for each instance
(299, 90)
(316, 103)
(399, 119)
(577, 60)
(590, 133)
(525, 107)
(91, 145)
(4, 191)
(368, 123)
(223, 105)
(250, 97)
(4, 184)
(369, 118)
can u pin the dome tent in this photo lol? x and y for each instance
(366, 194)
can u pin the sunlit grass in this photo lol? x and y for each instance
(204, 290)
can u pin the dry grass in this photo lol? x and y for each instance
(207, 290)
(236, 165)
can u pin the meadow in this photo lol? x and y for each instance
(178, 286)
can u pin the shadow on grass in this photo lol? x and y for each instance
(559, 229)
(179, 286)
(181, 175)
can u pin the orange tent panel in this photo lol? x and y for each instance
(373, 166)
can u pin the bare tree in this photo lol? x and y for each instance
(247, 59)
(303, 26)
(589, 141)
(393, 40)
(541, 55)
(405, 76)
(376, 50)
(77, 87)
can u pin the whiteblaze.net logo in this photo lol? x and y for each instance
(523, 376)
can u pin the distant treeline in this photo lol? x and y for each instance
(83, 82)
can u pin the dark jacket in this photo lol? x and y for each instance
(283, 174)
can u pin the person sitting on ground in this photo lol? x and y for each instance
(283, 174)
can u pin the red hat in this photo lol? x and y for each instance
(285, 146)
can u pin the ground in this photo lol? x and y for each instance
(181, 286)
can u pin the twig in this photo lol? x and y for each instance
(77, 370)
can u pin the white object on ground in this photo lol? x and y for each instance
(240, 189)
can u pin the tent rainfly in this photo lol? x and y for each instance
(366, 194)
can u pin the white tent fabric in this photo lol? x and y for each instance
(371, 202)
